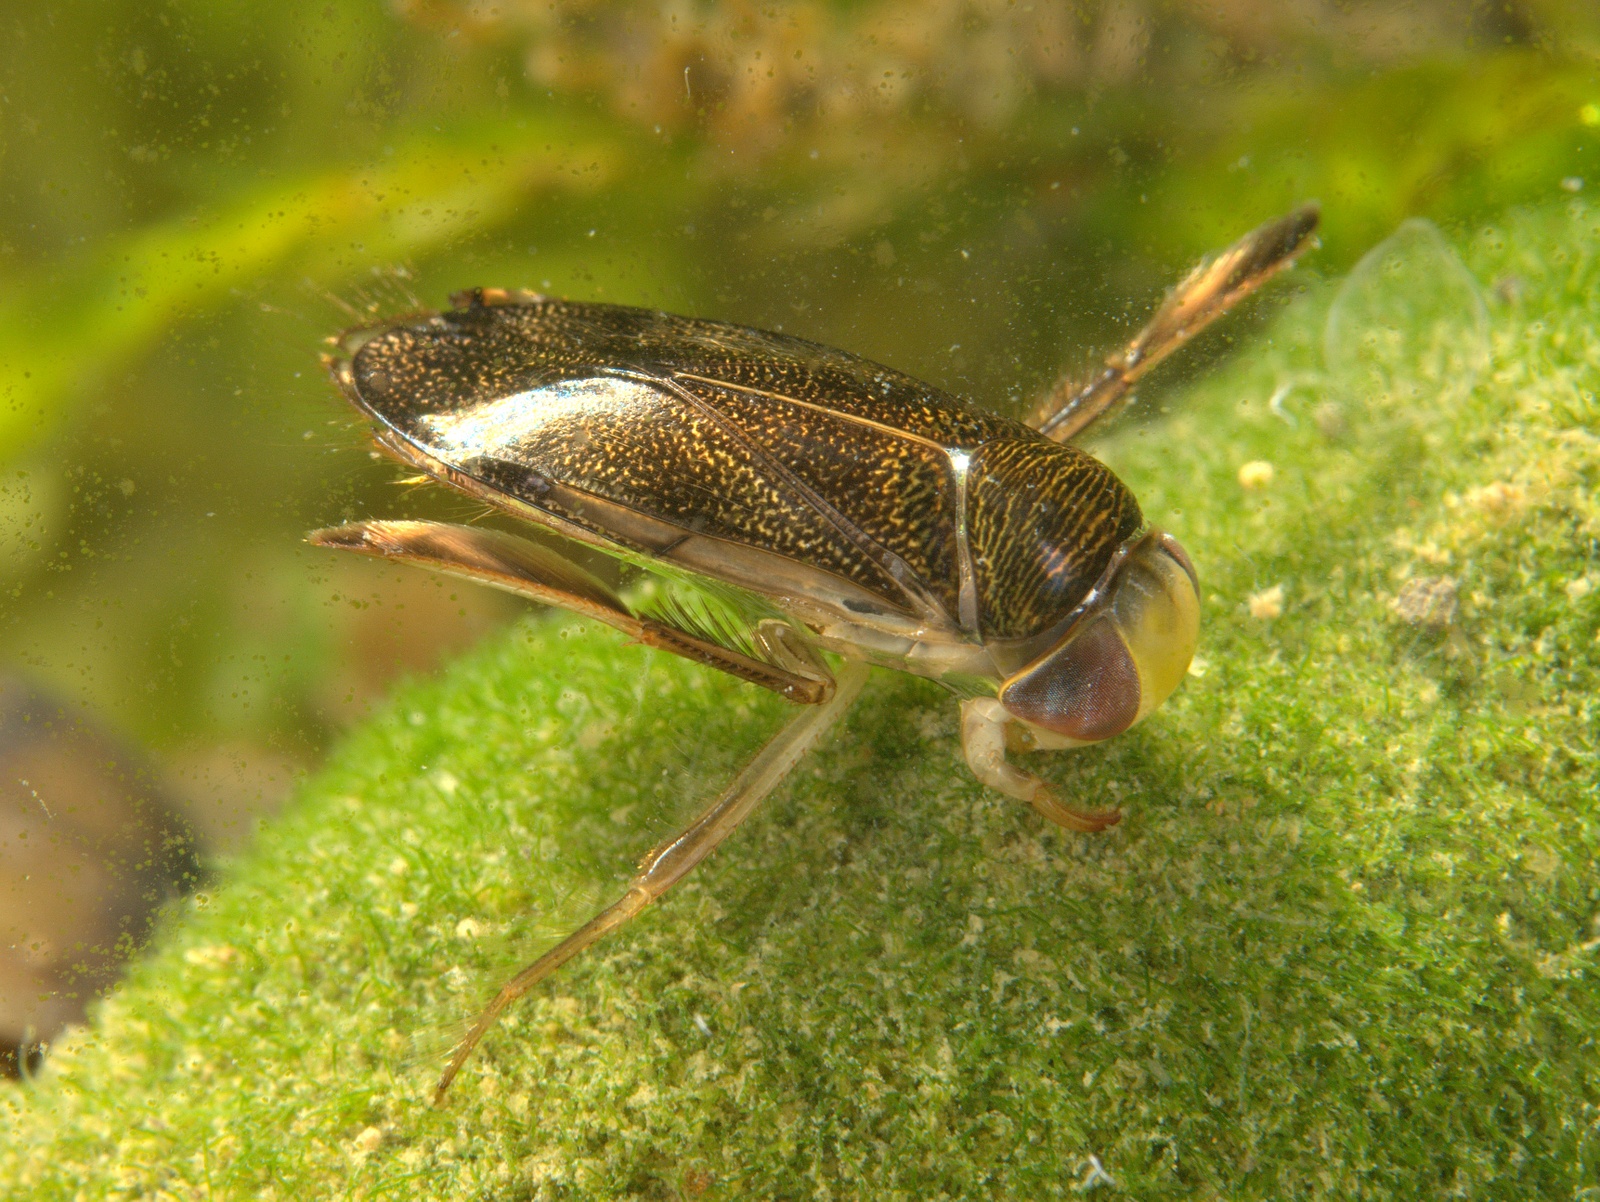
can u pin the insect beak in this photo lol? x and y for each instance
(1123, 661)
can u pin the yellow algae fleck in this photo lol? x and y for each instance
(1255, 474)
(1267, 604)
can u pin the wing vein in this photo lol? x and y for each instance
(854, 419)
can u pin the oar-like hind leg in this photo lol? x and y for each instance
(1205, 294)
(542, 574)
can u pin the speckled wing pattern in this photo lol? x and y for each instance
(693, 442)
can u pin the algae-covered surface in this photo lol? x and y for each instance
(1342, 945)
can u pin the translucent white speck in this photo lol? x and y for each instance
(1097, 1176)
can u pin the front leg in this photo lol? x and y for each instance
(983, 738)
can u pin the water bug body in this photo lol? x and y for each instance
(834, 507)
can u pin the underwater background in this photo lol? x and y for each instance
(1343, 945)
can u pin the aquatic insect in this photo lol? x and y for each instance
(830, 506)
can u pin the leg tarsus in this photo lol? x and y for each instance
(591, 932)
(1090, 822)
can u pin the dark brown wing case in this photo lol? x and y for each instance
(715, 431)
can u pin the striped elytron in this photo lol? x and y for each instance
(844, 507)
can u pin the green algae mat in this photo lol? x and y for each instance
(1343, 944)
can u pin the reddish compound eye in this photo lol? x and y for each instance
(1087, 690)
(1122, 663)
